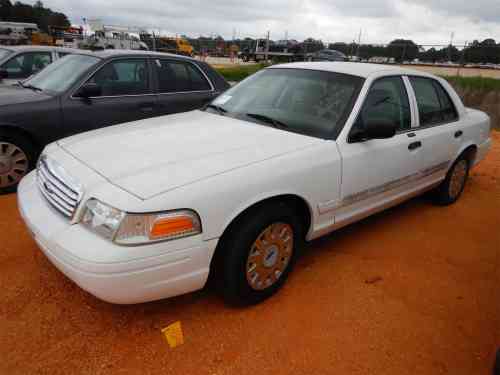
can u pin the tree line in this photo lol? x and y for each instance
(36, 13)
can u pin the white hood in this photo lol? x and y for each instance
(156, 155)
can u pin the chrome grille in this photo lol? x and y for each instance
(60, 190)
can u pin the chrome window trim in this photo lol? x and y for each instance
(212, 90)
(212, 87)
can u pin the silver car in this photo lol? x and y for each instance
(20, 62)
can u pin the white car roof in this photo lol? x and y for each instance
(353, 68)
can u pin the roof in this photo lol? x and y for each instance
(124, 52)
(38, 48)
(99, 53)
(353, 68)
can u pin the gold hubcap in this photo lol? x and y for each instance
(13, 164)
(457, 179)
(269, 256)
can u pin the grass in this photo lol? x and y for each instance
(475, 83)
(240, 72)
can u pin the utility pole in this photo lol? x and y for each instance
(267, 45)
(451, 45)
(154, 41)
(359, 43)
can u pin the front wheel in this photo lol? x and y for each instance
(453, 185)
(17, 158)
(259, 254)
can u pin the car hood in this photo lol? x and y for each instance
(152, 156)
(10, 95)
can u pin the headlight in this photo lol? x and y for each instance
(137, 229)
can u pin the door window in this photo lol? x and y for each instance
(387, 101)
(27, 64)
(434, 104)
(123, 77)
(178, 76)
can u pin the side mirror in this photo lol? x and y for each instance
(4, 74)
(379, 129)
(89, 90)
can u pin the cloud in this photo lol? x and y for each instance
(425, 21)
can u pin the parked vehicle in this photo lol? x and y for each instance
(278, 53)
(329, 55)
(147, 210)
(20, 62)
(87, 91)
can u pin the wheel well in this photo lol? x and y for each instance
(22, 133)
(470, 153)
(299, 205)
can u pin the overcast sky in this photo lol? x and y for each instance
(424, 21)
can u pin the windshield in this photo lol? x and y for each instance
(309, 102)
(4, 53)
(62, 74)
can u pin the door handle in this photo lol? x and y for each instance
(414, 145)
(147, 107)
(458, 134)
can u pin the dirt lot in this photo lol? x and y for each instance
(414, 290)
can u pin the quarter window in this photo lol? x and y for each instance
(387, 101)
(27, 64)
(123, 77)
(178, 76)
(434, 104)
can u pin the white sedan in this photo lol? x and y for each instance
(149, 209)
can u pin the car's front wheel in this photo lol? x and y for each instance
(17, 158)
(452, 187)
(259, 253)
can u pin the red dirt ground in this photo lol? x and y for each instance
(414, 290)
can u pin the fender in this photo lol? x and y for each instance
(266, 196)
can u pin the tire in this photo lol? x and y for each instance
(496, 368)
(271, 262)
(453, 185)
(17, 158)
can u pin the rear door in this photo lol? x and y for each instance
(181, 85)
(378, 171)
(438, 127)
(127, 95)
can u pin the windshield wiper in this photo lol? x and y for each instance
(31, 87)
(218, 108)
(268, 120)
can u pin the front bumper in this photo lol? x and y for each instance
(116, 274)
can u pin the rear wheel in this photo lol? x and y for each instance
(452, 187)
(17, 158)
(259, 253)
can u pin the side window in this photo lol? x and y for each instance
(123, 77)
(387, 101)
(448, 110)
(177, 76)
(434, 104)
(26, 64)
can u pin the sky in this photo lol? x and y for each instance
(380, 21)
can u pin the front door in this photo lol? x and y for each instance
(377, 171)
(126, 95)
